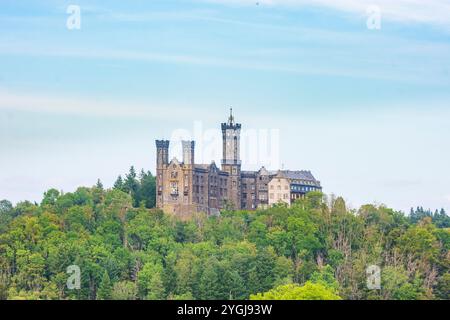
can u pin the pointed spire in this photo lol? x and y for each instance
(231, 118)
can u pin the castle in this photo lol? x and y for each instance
(183, 188)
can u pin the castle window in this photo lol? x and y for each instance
(174, 188)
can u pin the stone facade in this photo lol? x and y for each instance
(183, 188)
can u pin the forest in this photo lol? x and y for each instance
(128, 250)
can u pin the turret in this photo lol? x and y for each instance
(231, 135)
(162, 153)
(188, 152)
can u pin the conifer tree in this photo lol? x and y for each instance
(118, 185)
(105, 288)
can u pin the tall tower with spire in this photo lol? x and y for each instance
(231, 162)
(162, 161)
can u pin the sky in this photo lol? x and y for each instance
(364, 105)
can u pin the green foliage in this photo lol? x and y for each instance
(124, 290)
(439, 218)
(397, 285)
(126, 250)
(326, 278)
(105, 289)
(142, 189)
(309, 291)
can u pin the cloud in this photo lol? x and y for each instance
(32, 102)
(280, 60)
(435, 12)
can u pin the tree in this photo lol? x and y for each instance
(30, 271)
(443, 287)
(397, 285)
(5, 207)
(131, 186)
(209, 281)
(326, 278)
(119, 185)
(147, 189)
(142, 189)
(6, 214)
(155, 287)
(124, 290)
(441, 219)
(50, 197)
(309, 291)
(150, 283)
(105, 289)
(99, 184)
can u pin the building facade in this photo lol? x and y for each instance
(183, 188)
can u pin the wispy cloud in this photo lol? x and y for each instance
(281, 60)
(33, 102)
(436, 12)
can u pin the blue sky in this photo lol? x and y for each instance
(367, 111)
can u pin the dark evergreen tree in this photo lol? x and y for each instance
(119, 185)
(147, 189)
(131, 186)
(441, 219)
(99, 184)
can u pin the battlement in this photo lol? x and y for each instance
(162, 144)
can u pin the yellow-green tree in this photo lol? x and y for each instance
(309, 291)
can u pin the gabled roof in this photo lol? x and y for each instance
(174, 161)
(264, 172)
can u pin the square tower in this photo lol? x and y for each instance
(162, 161)
(231, 162)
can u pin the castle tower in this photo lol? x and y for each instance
(162, 160)
(162, 152)
(188, 152)
(231, 162)
(188, 178)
